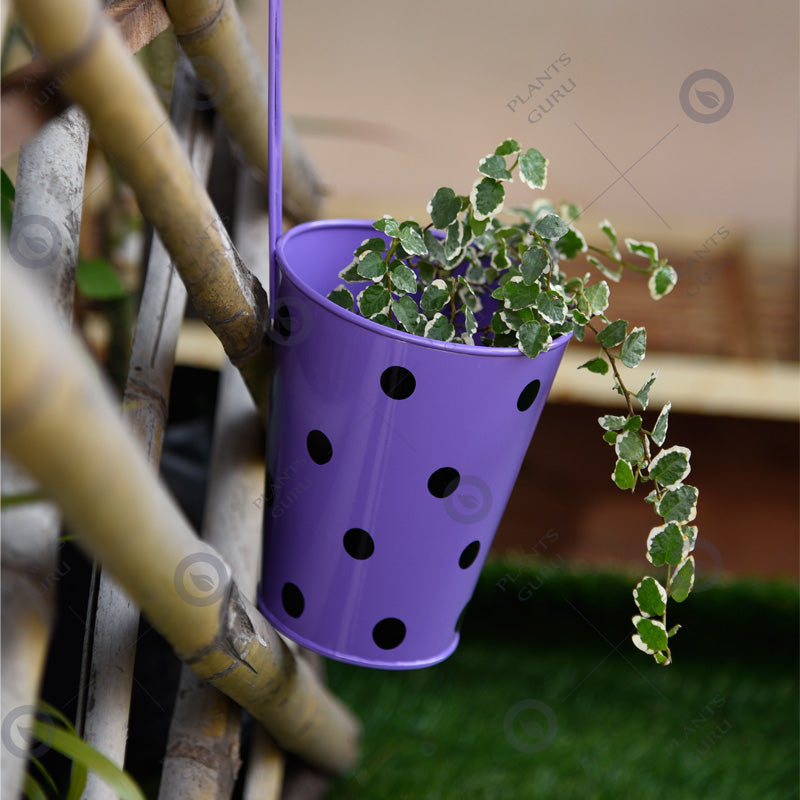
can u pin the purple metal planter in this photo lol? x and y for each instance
(390, 457)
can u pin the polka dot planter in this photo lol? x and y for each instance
(390, 462)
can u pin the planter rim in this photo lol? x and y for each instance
(382, 330)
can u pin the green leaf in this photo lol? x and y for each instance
(551, 226)
(659, 434)
(597, 296)
(374, 244)
(633, 423)
(533, 338)
(662, 282)
(611, 274)
(534, 262)
(407, 314)
(551, 306)
(611, 422)
(470, 323)
(477, 226)
(666, 545)
(350, 273)
(97, 280)
(650, 597)
(598, 365)
(435, 296)
(453, 240)
(608, 230)
(507, 147)
(629, 447)
(682, 580)
(7, 194)
(411, 239)
(487, 198)
(572, 243)
(646, 249)
(533, 169)
(444, 207)
(388, 225)
(516, 319)
(519, 295)
(634, 347)
(610, 437)
(7, 189)
(494, 166)
(372, 266)
(623, 475)
(403, 278)
(643, 395)
(342, 297)
(613, 334)
(650, 636)
(671, 466)
(374, 300)
(440, 328)
(73, 747)
(678, 504)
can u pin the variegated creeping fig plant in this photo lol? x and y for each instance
(431, 281)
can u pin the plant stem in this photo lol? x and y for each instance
(617, 260)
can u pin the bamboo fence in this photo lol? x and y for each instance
(104, 484)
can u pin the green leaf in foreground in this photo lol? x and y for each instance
(650, 597)
(444, 207)
(634, 347)
(666, 545)
(613, 334)
(650, 636)
(342, 297)
(533, 338)
(671, 466)
(73, 747)
(678, 504)
(487, 198)
(623, 475)
(682, 581)
(551, 226)
(533, 169)
(659, 434)
(598, 365)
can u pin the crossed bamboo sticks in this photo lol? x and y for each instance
(59, 421)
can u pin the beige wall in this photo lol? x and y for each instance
(412, 94)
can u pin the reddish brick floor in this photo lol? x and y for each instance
(747, 472)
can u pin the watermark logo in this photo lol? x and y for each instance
(471, 501)
(530, 726)
(35, 241)
(545, 569)
(200, 579)
(706, 96)
(711, 246)
(293, 322)
(547, 89)
(706, 575)
(17, 731)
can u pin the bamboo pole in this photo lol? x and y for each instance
(145, 402)
(63, 426)
(213, 35)
(129, 122)
(202, 757)
(48, 210)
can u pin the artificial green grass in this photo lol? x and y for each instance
(546, 698)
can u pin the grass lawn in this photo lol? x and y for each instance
(546, 699)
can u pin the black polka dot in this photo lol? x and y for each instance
(528, 395)
(292, 599)
(389, 633)
(443, 482)
(469, 554)
(269, 491)
(319, 447)
(358, 544)
(398, 383)
(283, 321)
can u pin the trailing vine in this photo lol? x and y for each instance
(472, 278)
